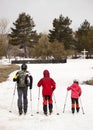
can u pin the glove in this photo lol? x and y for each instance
(30, 87)
(14, 79)
(68, 88)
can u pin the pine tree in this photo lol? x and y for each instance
(61, 31)
(81, 36)
(23, 34)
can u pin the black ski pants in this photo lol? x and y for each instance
(75, 104)
(22, 99)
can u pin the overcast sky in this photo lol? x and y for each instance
(43, 12)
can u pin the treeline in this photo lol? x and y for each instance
(23, 40)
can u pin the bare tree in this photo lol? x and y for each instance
(3, 35)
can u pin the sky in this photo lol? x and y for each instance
(63, 74)
(44, 12)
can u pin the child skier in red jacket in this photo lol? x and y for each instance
(75, 93)
(48, 86)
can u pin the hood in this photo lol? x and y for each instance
(75, 85)
(46, 73)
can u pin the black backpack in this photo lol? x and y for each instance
(22, 79)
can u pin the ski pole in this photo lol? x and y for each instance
(81, 106)
(12, 98)
(38, 101)
(65, 102)
(31, 101)
(55, 104)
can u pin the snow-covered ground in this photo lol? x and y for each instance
(63, 74)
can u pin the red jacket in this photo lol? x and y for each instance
(75, 90)
(47, 83)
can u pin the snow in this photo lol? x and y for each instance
(63, 74)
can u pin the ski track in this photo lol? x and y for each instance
(38, 121)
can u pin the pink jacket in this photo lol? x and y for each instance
(75, 90)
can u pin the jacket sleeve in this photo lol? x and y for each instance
(39, 83)
(53, 85)
(15, 78)
(80, 92)
(31, 81)
(68, 88)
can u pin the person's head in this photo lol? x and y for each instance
(76, 81)
(46, 73)
(23, 66)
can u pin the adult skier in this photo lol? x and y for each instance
(23, 79)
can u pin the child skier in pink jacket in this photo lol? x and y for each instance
(75, 93)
